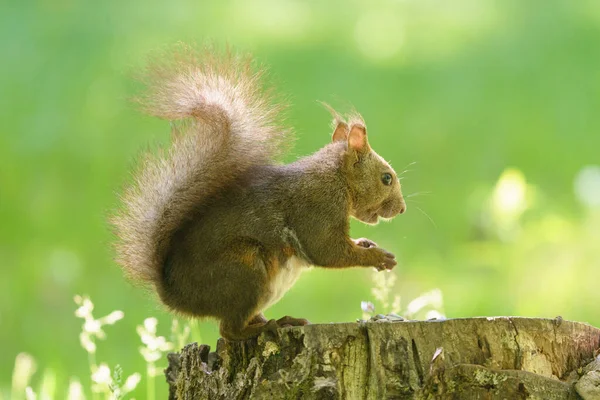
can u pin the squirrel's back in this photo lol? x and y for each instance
(223, 124)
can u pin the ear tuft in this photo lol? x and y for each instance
(357, 139)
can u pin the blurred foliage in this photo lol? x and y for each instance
(495, 102)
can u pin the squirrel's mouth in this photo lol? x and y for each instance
(386, 210)
(369, 218)
(372, 217)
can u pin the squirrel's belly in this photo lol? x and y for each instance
(287, 275)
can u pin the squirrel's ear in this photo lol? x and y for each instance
(340, 132)
(357, 139)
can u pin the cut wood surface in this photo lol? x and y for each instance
(472, 358)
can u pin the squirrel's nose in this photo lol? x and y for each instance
(402, 208)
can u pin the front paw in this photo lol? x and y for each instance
(364, 242)
(384, 259)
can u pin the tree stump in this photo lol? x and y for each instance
(472, 358)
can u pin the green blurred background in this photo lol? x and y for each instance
(497, 104)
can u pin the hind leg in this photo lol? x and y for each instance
(239, 310)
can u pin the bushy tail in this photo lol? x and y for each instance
(224, 124)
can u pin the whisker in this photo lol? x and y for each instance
(415, 194)
(412, 201)
(425, 214)
(406, 168)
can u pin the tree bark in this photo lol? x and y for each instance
(473, 358)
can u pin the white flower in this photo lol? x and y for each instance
(75, 390)
(149, 355)
(144, 335)
(102, 375)
(131, 382)
(24, 368)
(150, 325)
(86, 307)
(161, 344)
(87, 343)
(155, 345)
(92, 328)
(383, 285)
(111, 318)
(181, 338)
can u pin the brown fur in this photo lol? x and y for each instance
(215, 225)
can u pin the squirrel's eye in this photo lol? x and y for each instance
(386, 179)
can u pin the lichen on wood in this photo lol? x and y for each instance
(474, 358)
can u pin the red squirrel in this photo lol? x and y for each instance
(215, 224)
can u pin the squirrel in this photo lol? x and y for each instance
(215, 223)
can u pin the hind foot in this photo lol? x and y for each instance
(232, 331)
(290, 321)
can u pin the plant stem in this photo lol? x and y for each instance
(150, 389)
(92, 362)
